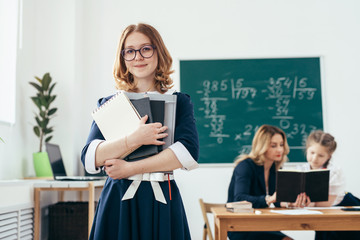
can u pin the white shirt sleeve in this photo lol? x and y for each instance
(336, 183)
(90, 157)
(184, 157)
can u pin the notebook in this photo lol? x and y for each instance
(169, 111)
(58, 169)
(158, 111)
(143, 106)
(117, 118)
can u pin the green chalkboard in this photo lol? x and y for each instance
(232, 98)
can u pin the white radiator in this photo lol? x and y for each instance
(16, 222)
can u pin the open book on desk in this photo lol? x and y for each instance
(290, 183)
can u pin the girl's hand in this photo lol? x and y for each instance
(118, 168)
(302, 200)
(147, 134)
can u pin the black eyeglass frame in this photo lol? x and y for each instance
(138, 50)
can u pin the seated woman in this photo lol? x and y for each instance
(319, 148)
(254, 177)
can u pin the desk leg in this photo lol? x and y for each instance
(61, 196)
(216, 232)
(91, 204)
(37, 214)
(223, 231)
(220, 229)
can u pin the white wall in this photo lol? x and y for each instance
(76, 42)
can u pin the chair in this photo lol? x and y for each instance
(205, 209)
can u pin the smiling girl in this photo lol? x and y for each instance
(143, 64)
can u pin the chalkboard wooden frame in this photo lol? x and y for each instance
(233, 97)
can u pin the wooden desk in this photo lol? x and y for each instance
(330, 220)
(61, 186)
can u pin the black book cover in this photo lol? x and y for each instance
(290, 183)
(158, 112)
(143, 107)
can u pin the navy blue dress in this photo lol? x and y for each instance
(248, 183)
(142, 217)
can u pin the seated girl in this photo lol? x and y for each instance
(319, 148)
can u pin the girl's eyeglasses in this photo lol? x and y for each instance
(146, 51)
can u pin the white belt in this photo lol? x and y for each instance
(154, 179)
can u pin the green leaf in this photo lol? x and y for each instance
(52, 111)
(46, 81)
(2, 140)
(37, 102)
(43, 124)
(39, 79)
(46, 122)
(48, 130)
(51, 88)
(39, 88)
(37, 131)
(43, 101)
(47, 99)
(52, 99)
(48, 138)
(42, 114)
(39, 122)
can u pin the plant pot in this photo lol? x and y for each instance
(42, 164)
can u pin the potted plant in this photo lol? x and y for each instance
(43, 100)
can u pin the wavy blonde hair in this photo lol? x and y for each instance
(261, 143)
(124, 80)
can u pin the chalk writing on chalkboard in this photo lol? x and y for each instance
(233, 98)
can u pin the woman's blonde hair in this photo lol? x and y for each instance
(124, 80)
(324, 139)
(261, 143)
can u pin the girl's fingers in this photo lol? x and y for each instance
(158, 125)
(299, 200)
(159, 142)
(162, 135)
(304, 200)
(163, 128)
(109, 162)
(144, 119)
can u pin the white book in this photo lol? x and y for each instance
(117, 117)
(240, 210)
(239, 205)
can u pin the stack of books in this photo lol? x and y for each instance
(120, 116)
(238, 207)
